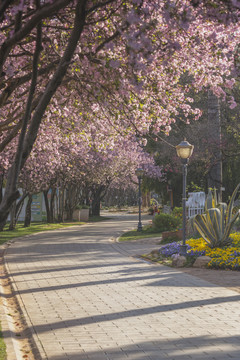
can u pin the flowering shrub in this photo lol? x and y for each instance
(178, 211)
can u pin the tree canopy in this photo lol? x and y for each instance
(118, 65)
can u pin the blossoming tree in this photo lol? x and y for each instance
(123, 59)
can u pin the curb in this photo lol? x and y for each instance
(14, 345)
(8, 329)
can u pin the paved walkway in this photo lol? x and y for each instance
(85, 297)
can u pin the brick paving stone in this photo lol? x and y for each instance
(87, 298)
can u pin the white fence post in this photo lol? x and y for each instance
(195, 203)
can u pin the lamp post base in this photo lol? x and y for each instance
(183, 250)
(139, 228)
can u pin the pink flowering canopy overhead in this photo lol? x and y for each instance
(83, 156)
(114, 71)
(128, 62)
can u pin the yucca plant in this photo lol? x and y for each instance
(216, 223)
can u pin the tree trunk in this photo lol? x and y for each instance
(45, 194)
(20, 205)
(28, 212)
(52, 205)
(15, 211)
(73, 198)
(214, 144)
(61, 205)
(12, 224)
(70, 202)
(49, 205)
(97, 195)
(1, 186)
(96, 206)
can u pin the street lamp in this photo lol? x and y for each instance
(139, 172)
(184, 151)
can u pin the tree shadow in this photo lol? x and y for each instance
(197, 348)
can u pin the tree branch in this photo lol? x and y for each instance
(10, 136)
(3, 7)
(45, 11)
(56, 80)
(22, 80)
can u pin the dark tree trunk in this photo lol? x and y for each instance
(1, 186)
(96, 206)
(52, 201)
(73, 198)
(12, 224)
(70, 202)
(15, 211)
(97, 195)
(61, 198)
(49, 205)
(20, 205)
(45, 194)
(28, 212)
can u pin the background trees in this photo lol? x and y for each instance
(208, 152)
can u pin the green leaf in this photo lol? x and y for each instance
(231, 203)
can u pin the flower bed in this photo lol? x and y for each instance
(169, 250)
(222, 258)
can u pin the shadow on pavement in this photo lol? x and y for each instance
(197, 348)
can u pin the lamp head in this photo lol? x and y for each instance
(184, 149)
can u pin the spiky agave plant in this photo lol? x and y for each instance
(216, 223)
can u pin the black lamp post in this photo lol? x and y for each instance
(184, 151)
(139, 172)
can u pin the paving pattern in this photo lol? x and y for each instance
(86, 298)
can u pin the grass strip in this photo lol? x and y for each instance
(135, 235)
(3, 353)
(36, 227)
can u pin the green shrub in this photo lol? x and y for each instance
(166, 222)
(178, 212)
(150, 211)
(81, 207)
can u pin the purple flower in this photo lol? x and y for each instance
(174, 248)
(171, 249)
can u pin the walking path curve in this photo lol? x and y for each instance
(86, 298)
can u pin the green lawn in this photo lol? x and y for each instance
(36, 227)
(147, 232)
(98, 218)
(3, 354)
